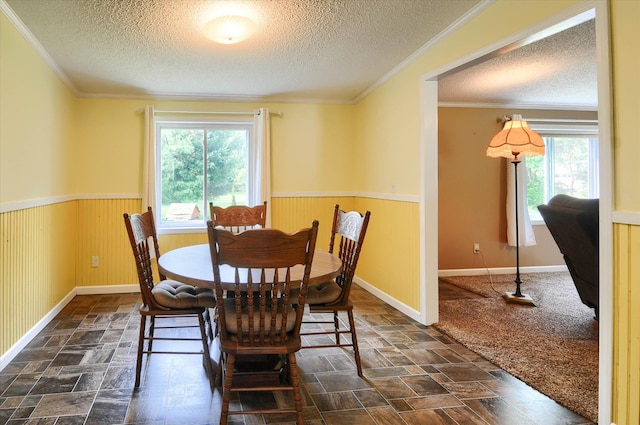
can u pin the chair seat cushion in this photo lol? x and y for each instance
(323, 293)
(172, 294)
(232, 324)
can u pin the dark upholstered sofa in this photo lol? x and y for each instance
(573, 223)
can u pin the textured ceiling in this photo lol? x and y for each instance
(303, 50)
(559, 70)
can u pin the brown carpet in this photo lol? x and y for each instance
(553, 346)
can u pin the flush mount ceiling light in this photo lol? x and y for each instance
(229, 29)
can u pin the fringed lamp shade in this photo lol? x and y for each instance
(515, 139)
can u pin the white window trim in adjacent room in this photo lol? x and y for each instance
(256, 122)
(548, 128)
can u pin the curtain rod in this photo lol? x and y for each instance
(160, 111)
(506, 118)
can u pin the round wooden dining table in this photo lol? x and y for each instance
(192, 264)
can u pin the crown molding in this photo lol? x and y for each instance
(537, 106)
(457, 24)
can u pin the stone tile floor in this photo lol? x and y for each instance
(81, 370)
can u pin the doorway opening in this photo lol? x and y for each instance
(429, 165)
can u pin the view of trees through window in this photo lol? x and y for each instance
(201, 165)
(569, 167)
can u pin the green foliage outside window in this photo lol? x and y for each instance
(564, 169)
(183, 167)
(535, 182)
(227, 166)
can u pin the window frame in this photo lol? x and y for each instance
(244, 123)
(550, 129)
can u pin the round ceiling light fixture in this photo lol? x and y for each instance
(229, 29)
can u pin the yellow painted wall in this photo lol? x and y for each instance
(388, 165)
(37, 248)
(310, 144)
(389, 259)
(387, 153)
(625, 16)
(625, 26)
(626, 385)
(291, 214)
(36, 123)
(109, 146)
(101, 223)
(311, 148)
(38, 265)
(102, 233)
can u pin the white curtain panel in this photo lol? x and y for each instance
(526, 237)
(149, 170)
(262, 166)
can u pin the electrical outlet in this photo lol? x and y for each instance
(95, 261)
(476, 248)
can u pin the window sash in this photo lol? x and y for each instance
(206, 126)
(550, 160)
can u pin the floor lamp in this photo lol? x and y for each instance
(516, 139)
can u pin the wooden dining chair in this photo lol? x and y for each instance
(167, 300)
(255, 313)
(238, 218)
(333, 297)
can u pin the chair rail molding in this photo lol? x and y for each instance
(41, 202)
(626, 217)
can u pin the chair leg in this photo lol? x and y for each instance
(152, 328)
(295, 383)
(336, 326)
(143, 324)
(206, 357)
(226, 391)
(218, 376)
(354, 341)
(208, 319)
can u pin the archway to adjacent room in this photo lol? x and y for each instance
(429, 174)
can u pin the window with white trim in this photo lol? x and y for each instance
(569, 166)
(200, 162)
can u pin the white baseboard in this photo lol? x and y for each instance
(107, 289)
(15, 349)
(415, 315)
(501, 270)
(119, 289)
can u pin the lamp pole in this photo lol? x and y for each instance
(515, 139)
(515, 162)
